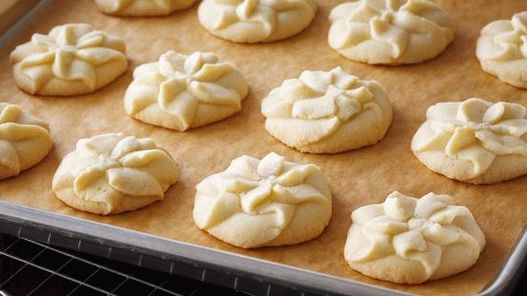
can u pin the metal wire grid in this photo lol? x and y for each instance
(32, 268)
(223, 282)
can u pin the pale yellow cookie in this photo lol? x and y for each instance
(474, 141)
(269, 202)
(390, 32)
(114, 173)
(410, 241)
(253, 21)
(24, 140)
(327, 112)
(185, 91)
(142, 7)
(502, 49)
(73, 59)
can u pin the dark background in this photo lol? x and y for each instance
(30, 268)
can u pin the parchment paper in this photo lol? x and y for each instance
(12, 10)
(356, 178)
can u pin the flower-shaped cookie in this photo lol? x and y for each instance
(502, 49)
(327, 112)
(142, 7)
(252, 21)
(113, 173)
(181, 92)
(24, 140)
(73, 59)
(408, 240)
(474, 141)
(390, 31)
(269, 202)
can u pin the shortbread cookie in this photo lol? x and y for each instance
(73, 59)
(327, 112)
(142, 7)
(113, 173)
(390, 32)
(181, 92)
(252, 21)
(502, 49)
(269, 202)
(24, 140)
(474, 141)
(410, 241)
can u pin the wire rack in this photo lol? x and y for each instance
(31, 268)
(190, 276)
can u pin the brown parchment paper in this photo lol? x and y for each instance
(356, 178)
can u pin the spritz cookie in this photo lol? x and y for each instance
(24, 140)
(268, 202)
(502, 49)
(114, 173)
(410, 241)
(73, 59)
(253, 21)
(142, 7)
(474, 141)
(327, 112)
(390, 32)
(185, 91)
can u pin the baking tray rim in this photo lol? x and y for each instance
(136, 241)
(119, 237)
(106, 234)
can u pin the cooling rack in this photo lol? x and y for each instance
(32, 268)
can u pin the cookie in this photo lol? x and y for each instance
(327, 112)
(390, 32)
(73, 59)
(268, 202)
(114, 173)
(185, 91)
(142, 7)
(410, 241)
(474, 141)
(24, 140)
(502, 49)
(253, 21)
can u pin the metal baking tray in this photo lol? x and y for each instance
(247, 274)
(251, 275)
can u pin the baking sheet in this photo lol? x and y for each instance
(356, 178)
(12, 10)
